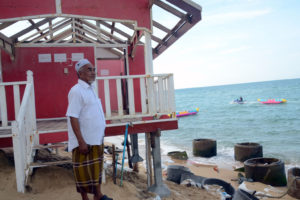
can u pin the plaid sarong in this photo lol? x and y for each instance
(88, 168)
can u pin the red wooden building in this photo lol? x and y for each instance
(121, 38)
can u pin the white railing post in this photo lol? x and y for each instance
(16, 99)
(19, 157)
(151, 96)
(3, 106)
(119, 96)
(131, 96)
(107, 98)
(36, 139)
(160, 94)
(148, 53)
(171, 94)
(157, 95)
(143, 95)
(165, 94)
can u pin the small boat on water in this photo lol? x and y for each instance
(272, 101)
(187, 112)
(239, 101)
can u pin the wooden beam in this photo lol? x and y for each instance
(161, 27)
(169, 8)
(115, 29)
(37, 28)
(6, 24)
(112, 28)
(6, 39)
(7, 45)
(107, 34)
(156, 39)
(30, 28)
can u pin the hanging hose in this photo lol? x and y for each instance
(126, 133)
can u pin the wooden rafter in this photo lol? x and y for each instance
(107, 34)
(112, 28)
(37, 28)
(115, 29)
(7, 44)
(30, 28)
(169, 8)
(6, 24)
(160, 26)
(58, 27)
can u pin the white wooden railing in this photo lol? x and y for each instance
(24, 134)
(156, 94)
(5, 124)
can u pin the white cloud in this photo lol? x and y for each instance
(234, 50)
(234, 16)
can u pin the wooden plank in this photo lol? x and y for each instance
(5, 135)
(115, 29)
(49, 146)
(30, 28)
(16, 99)
(49, 32)
(119, 96)
(107, 98)
(160, 95)
(14, 83)
(57, 28)
(131, 96)
(6, 24)
(143, 95)
(18, 158)
(171, 94)
(150, 95)
(45, 164)
(3, 105)
(148, 53)
(142, 127)
(160, 26)
(165, 95)
(168, 8)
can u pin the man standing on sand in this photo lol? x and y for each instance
(86, 125)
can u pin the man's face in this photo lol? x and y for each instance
(87, 73)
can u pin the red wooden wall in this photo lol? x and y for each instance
(51, 83)
(135, 10)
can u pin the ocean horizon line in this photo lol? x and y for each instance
(230, 84)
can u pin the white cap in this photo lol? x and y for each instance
(81, 63)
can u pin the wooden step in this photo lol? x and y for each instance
(5, 135)
(56, 145)
(46, 164)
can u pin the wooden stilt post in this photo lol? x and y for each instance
(114, 164)
(148, 160)
(158, 187)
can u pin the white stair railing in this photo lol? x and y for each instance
(5, 123)
(24, 134)
(156, 94)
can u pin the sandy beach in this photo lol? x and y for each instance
(57, 183)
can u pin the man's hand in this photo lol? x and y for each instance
(83, 148)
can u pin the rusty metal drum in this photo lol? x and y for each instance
(204, 147)
(247, 150)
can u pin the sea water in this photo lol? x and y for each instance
(276, 127)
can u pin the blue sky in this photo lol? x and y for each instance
(237, 41)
